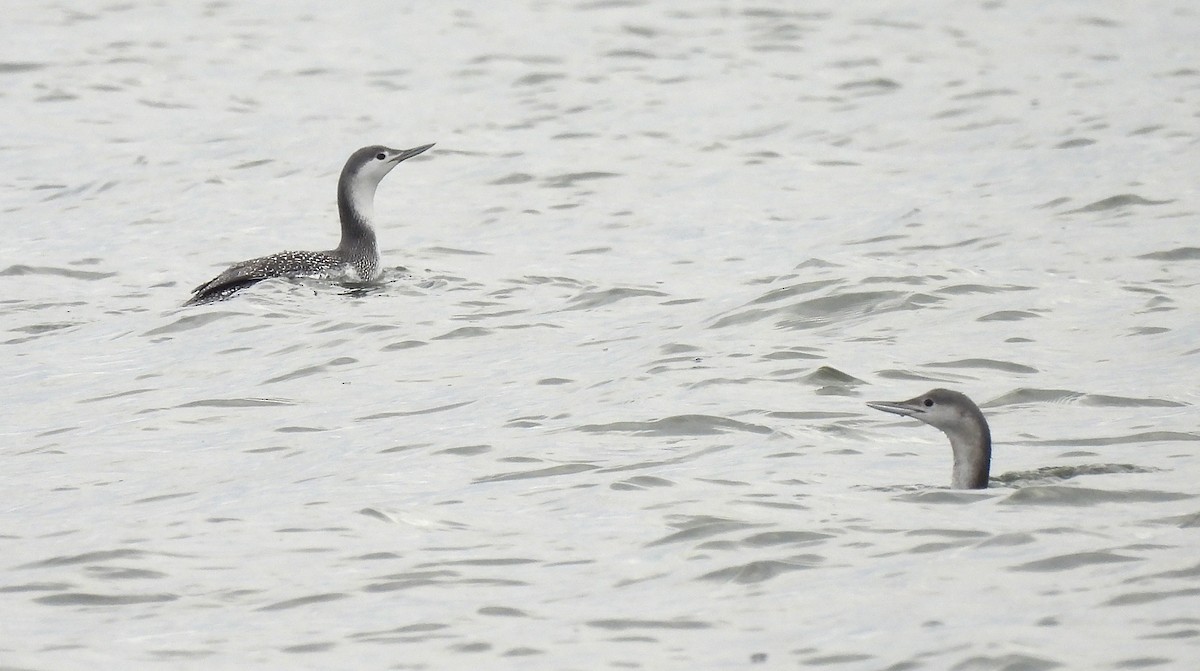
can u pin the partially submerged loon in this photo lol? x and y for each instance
(356, 258)
(962, 421)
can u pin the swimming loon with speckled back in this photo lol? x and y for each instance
(963, 423)
(356, 258)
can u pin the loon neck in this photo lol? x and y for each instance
(972, 446)
(356, 208)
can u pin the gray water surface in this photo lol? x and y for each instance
(607, 409)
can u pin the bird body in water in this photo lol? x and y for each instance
(356, 258)
(963, 423)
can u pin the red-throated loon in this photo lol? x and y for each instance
(962, 421)
(356, 258)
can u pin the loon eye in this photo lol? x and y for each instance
(929, 403)
(380, 156)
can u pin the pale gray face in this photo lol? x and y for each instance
(941, 408)
(372, 163)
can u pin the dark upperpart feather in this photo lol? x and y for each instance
(241, 275)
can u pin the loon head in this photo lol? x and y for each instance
(369, 165)
(356, 187)
(944, 409)
(963, 423)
